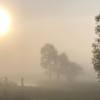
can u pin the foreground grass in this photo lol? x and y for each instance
(73, 92)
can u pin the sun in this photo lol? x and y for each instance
(4, 22)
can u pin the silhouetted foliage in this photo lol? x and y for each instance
(63, 63)
(68, 69)
(58, 64)
(48, 58)
(96, 47)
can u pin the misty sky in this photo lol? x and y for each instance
(68, 24)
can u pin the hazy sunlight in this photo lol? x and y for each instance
(4, 22)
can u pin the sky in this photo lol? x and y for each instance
(67, 24)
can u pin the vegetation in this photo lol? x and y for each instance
(96, 47)
(58, 64)
(73, 92)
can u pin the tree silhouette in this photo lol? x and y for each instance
(58, 64)
(68, 69)
(96, 47)
(49, 58)
(63, 63)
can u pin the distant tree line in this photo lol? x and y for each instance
(58, 65)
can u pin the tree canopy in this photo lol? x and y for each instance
(58, 65)
(96, 47)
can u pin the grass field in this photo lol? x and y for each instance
(72, 92)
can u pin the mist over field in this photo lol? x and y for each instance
(68, 25)
(49, 50)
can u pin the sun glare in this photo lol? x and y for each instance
(4, 22)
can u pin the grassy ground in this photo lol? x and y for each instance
(73, 92)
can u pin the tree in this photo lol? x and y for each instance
(96, 47)
(73, 71)
(63, 63)
(58, 64)
(68, 69)
(49, 58)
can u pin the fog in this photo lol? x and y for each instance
(68, 25)
(47, 52)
